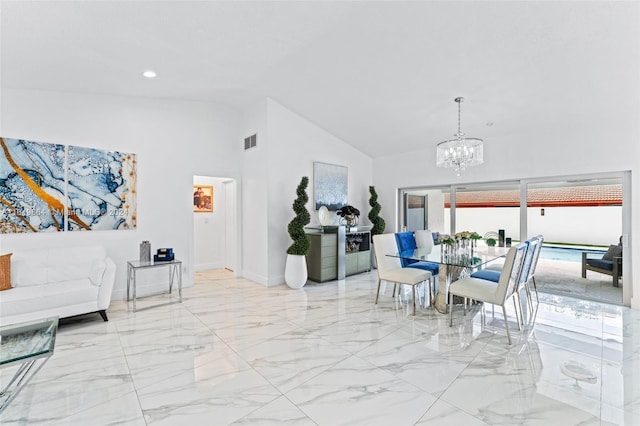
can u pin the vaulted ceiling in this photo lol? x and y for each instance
(380, 75)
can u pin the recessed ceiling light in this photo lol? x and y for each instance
(149, 74)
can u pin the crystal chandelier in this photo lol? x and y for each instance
(461, 152)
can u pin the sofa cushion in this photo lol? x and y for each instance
(28, 272)
(613, 252)
(73, 263)
(55, 265)
(35, 298)
(601, 263)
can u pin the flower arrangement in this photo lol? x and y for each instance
(468, 235)
(446, 239)
(460, 236)
(349, 215)
(348, 211)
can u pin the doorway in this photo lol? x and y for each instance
(215, 227)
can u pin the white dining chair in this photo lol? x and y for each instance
(424, 239)
(531, 273)
(491, 292)
(390, 269)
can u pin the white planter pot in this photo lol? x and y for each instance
(295, 271)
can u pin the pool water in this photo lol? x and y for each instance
(566, 254)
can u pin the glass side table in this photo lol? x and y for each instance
(28, 345)
(175, 274)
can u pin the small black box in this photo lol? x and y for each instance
(163, 255)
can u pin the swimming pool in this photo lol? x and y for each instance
(566, 254)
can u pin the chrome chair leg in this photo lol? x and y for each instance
(506, 323)
(450, 309)
(413, 288)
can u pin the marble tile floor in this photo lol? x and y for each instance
(235, 352)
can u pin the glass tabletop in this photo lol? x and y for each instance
(27, 340)
(479, 256)
(150, 263)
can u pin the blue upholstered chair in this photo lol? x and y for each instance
(407, 241)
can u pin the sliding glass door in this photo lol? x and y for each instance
(489, 209)
(575, 214)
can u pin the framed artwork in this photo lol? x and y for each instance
(330, 185)
(202, 198)
(32, 186)
(47, 187)
(101, 189)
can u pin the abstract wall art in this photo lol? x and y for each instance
(101, 190)
(32, 186)
(51, 187)
(330, 185)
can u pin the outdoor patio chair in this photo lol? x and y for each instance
(610, 263)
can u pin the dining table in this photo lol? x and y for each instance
(455, 263)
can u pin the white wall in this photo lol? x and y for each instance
(173, 142)
(255, 193)
(209, 228)
(294, 144)
(588, 225)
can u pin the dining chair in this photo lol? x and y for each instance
(391, 270)
(527, 276)
(531, 272)
(424, 239)
(491, 292)
(407, 241)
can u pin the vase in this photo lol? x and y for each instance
(295, 271)
(145, 251)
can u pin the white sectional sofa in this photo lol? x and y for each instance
(59, 282)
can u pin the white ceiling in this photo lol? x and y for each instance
(380, 75)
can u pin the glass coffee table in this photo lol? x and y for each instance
(27, 345)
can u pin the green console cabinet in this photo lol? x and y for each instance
(322, 260)
(324, 256)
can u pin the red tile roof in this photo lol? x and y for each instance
(595, 195)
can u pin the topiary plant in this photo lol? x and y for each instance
(374, 214)
(301, 242)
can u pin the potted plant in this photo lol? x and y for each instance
(350, 215)
(491, 242)
(295, 271)
(376, 220)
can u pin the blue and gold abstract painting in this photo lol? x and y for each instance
(102, 189)
(95, 191)
(32, 184)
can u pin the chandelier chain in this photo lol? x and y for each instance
(459, 127)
